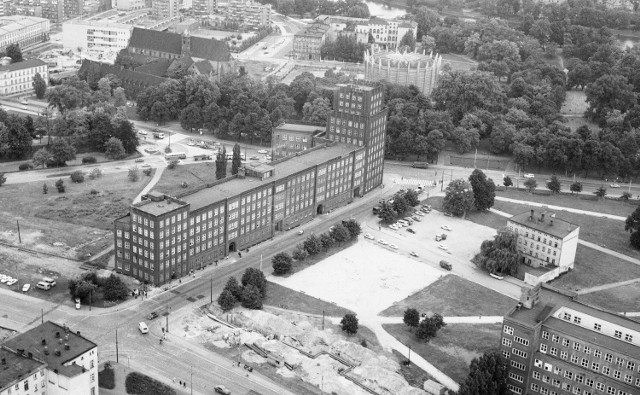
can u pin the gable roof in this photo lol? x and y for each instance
(210, 49)
(158, 68)
(156, 41)
(128, 77)
(25, 64)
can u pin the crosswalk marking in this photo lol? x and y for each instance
(414, 181)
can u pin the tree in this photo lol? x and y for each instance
(113, 149)
(427, 330)
(327, 241)
(635, 239)
(226, 300)
(39, 86)
(45, 189)
(400, 204)
(312, 245)
(119, 97)
(252, 276)
(554, 184)
(60, 186)
(14, 52)
(221, 164)
(339, 233)
(251, 297)
(81, 288)
(15, 140)
(507, 182)
(114, 288)
(236, 161)
(349, 324)
(531, 184)
(500, 255)
(411, 318)
(233, 287)
(353, 227)
(386, 213)
(191, 117)
(3, 179)
(281, 263)
(408, 40)
(134, 174)
(42, 157)
(487, 375)
(77, 176)
(576, 187)
(299, 253)
(317, 110)
(601, 192)
(411, 197)
(484, 190)
(607, 93)
(458, 198)
(61, 152)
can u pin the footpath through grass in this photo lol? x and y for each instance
(620, 299)
(452, 350)
(452, 296)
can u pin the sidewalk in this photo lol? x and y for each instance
(571, 210)
(607, 286)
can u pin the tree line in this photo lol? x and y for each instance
(349, 8)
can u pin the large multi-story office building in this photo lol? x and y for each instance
(95, 35)
(49, 359)
(164, 9)
(247, 13)
(289, 138)
(557, 345)
(18, 77)
(545, 242)
(54, 10)
(23, 30)
(166, 237)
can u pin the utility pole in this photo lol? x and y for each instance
(474, 158)
(212, 288)
(322, 319)
(42, 316)
(260, 262)
(167, 318)
(90, 299)
(19, 237)
(117, 359)
(191, 379)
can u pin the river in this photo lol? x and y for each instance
(384, 10)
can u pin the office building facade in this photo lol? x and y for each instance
(94, 35)
(289, 139)
(167, 237)
(557, 345)
(308, 42)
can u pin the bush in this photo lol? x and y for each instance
(140, 384)
(146, 172)
(77, 176)
(172, 165)
(60, 186)
(625, 196)
(134, 174)
(299, 254)
(349, 324)
(107, 379)
(3, 179)
(167, 150)
(95, 173)
(94, 192)
(89, 159)
(281, 263)
(45, 188)
(25, 166)
(115, 289)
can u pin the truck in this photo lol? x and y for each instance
(158, 135)
(445, 265)
(420, 165)
(202, 157)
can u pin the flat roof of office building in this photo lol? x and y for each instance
(15, 368)
(295, 127)
(283, 168)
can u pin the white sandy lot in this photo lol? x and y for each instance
(365, 278)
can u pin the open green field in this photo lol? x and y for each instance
(283, 297)
(452, 350)
(485, 218)
(602, 231)
(605, 206)
(412, 373)
(453, 296)
(194, 174)
(623, 298)
(595, 268)
(575, 103)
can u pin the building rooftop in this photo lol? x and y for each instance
(14, 367)
(294, 127)
(283, 168)
(210, 49)
(550, 225)
(25, 64)
(99, 23)
(155, 40)
(317, 29)
(47, 340)
(157, 208)
(552, 299)
(13, 23)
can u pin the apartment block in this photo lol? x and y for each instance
(557, 345)
(386, 33)
(95, 35)
(203, 7)
(289, 139)
(23, 30)
(247, 13)
(49, 359)
(18, 77)
(54, 10)
(547, 243)
(128, 5)
(164, 9)
(308, 42)
(167, 237)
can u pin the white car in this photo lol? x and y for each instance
(301, 232)
(393, 226)
(12, 281)
(413, 254)
(420, 213)
(263, 151)
(395, 247)
(496, 276)
(77, 303)
(442, 247)
(529, 175)
(446, 227)
(142, 132)
(383, 242)
(368, 236)
(614, 186)
(26, 287)
(143, 328)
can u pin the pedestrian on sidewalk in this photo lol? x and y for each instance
(180, 382)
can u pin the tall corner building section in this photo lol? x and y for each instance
(559, 345)
(359, 118)
(166, 237)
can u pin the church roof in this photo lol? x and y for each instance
(210, 49)
(156, 41)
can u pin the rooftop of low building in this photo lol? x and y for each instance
(545, 221)
(14, 367)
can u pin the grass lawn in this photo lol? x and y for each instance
(452, 350)
(597, 230)
(194, 174)
(485, 218)
(107, 379)
(140, 384)
(575, 103)
(412, 373)
(624, 298)
(453, 296)
(595, 268)
(605, 206)
(279, 296)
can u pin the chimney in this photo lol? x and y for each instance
(44, 342)
(66, 346)
(78, 333)
(542, 217)
(30, 354)
(57, 353)
(46, 350)
(531, 216)
(57, 335)
(60, 341)
(4, 361)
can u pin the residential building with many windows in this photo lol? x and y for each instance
(289, 138)
(95, 35)
(546, 243)
(164, 9)
(54, 10)
(167, 237)
(557, 345)
(49, 360)
(23, 30)
(18, 77)
(308, 42)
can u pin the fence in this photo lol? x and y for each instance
(481, 163)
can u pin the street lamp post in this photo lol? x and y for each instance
(192, 380)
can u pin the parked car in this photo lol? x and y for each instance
(411, 230)
(77, 303)
(139, 160)
(395, 247)
(49, 281)
(413, 254)
(143, 328)
(438, 238)
(417, 218)
(152, 316)
(26, 287)
(614, 186)
(442, 247)
(448, 214)
(445, 265)
(446, 227)
(146, 165)
(529, 175)
(263, 151)
(12, 281)
(383, 242)
(43, 286)
(254, 157)
(300, 232)
(368, 236)
(393, 226)
(496, 276)
(221, 389)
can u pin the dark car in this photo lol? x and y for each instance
(411, 230)
(221, 389)
(152, 315)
